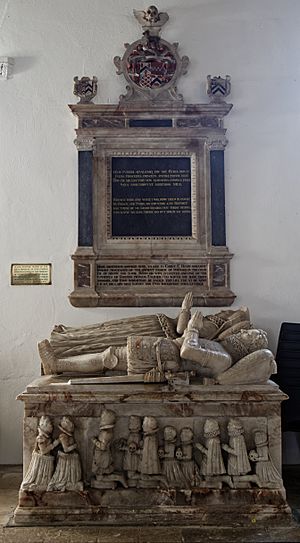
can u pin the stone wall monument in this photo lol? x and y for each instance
(151, 183)
(152, 420)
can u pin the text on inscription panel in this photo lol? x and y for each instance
(151, 275)
(151, 196)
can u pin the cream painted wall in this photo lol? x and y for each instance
(257, 42)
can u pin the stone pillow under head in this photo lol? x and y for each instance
(205, 357)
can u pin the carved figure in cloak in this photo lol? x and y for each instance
(133, 449)
(170, 466)
(238, 462)
(68, 341)
(240, 358)
(41, 466)
(151, 474)
(103, 469)
(267, 473)
(67, 475)
(212, 466)
(184, 454)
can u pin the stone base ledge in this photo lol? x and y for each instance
(162, 507)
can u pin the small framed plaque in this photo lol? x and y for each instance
(30, 274)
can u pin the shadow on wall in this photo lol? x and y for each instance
(291, 447)
(23, 64)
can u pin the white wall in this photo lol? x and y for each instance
(257, 42)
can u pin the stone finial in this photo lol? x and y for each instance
(218, 87)
(151, 20)
(85, 88)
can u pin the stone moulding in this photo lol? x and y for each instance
(178, 418)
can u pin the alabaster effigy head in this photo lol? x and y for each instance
(170, 433)
(66, 426)
(235, 428)
(135, 423)
(260, 438)
(150, 425)
(107, 419)
(211, 428)
(245, 342)
(45, 425)
(186, 435)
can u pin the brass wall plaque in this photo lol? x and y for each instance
(30, 274)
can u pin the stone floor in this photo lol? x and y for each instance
(10, 478)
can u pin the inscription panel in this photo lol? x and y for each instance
(151, 275)
(30, 274)
(151, 196)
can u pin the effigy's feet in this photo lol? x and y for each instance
(109, 359)
(60, 328)
(48, 358)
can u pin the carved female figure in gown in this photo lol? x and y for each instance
(69, 341)
(265, 470)
(67, 475)
(41, 466)
(170, 465)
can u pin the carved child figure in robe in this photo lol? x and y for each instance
(133, 449)
(238, 465)
(212, 466)
(170, 466)
(185, 454)
(265, 469)
(151, 475)
(103, 469)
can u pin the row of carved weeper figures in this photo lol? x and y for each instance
(148, 464)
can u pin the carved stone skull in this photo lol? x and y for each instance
(151, 14)
(132, 448)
